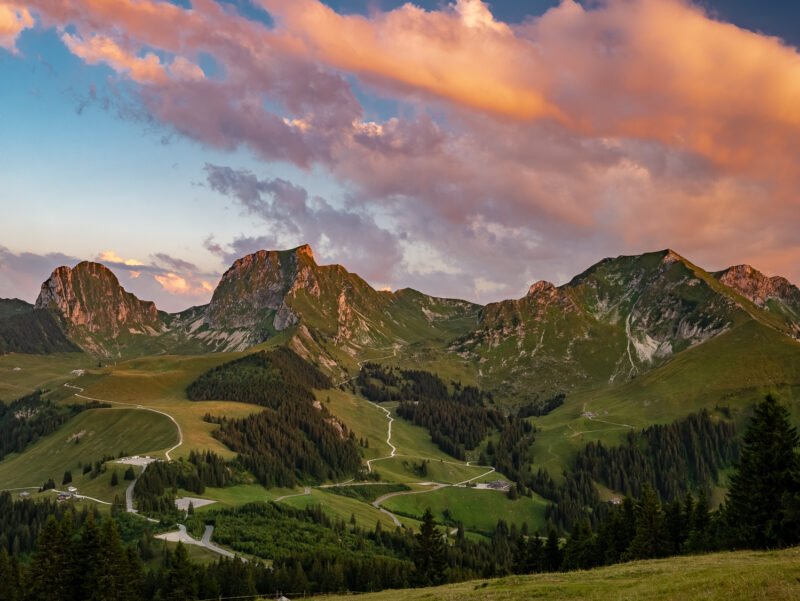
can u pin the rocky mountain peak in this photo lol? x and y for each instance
(670, 256)
(305, 251)
(757, 287)
(252, 292)
(89, 298)
(540, 288)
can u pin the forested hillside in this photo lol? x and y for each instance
(294, 439)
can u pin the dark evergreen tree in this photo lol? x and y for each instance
(651, 538)
(46, 579)
(552, 553)
(580, 551)
(181, 584)
(430, 559)
(759, 509)
(699, 535)
(9, 588)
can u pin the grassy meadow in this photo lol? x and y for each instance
(740, 576)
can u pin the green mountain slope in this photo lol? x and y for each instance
(620, 319)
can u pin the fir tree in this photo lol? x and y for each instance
(180, 581)
(650, 539)
(430, 557)
(46, 577)
(552, 553)
(759, 510)
(8, 590)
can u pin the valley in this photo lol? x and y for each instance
(347, 407)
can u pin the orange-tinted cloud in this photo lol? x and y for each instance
(173, 283)
(112, 257)
(622, 127)
(648, 69)
(147, 69)
(180, 285)
(13, 19)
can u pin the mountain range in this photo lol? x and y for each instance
(619, 319)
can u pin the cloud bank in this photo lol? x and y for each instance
(518, 151)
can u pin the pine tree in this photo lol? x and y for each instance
(430, 557)
(759, 509)
(8, 588)
(87, 560)
(67, 477)
(579, 552)
(114, 478)
(46, 576)
(699, 524)
(552, 553)
(650, 539)
(180, 581)
(112, 564)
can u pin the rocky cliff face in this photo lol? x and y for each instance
(252, 292)
(759, 288)
(775, 294)
(94, 308)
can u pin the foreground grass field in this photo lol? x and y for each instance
(741, 576)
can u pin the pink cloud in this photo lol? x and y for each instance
(627, 126)
(13, 19)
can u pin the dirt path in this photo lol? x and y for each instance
(388, 437)
(306, 491)
(140, 407)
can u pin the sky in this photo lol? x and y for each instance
(463, 148)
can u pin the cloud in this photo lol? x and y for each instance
(109, 256)
(347, 236)
(169, 281)
(13, 19)
(174, 262)
(517, 152)
(147, 69)
(617, 69)
(22, 274)
(173, 283)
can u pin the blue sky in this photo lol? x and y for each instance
(87, 168)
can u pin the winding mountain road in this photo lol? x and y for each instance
(182, 536)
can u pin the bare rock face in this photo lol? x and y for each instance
(759, 288)
(89, 299)
(256, 286)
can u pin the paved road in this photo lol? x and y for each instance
(184, 537)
